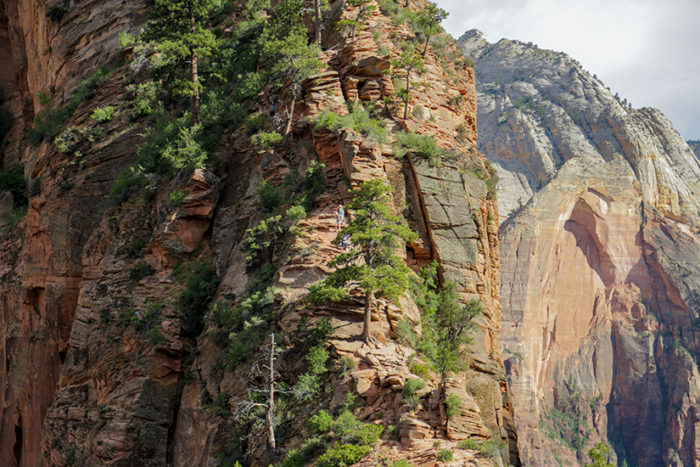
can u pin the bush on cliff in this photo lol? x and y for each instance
(424, 146)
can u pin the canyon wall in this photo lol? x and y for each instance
(600, 238)
(87, 378)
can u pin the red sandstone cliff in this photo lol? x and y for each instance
(79, 384)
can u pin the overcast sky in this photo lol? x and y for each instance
(647, 50)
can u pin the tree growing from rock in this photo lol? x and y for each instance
(179, 28)
(600, 455)
(445, 321)
(428, 22)
(372, 266)
(287, 53)
(245, 407)
(364, 7)
(408, 62)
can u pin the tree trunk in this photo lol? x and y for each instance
(357, 21)
(288, 128)
(408, 94)
(368, 317)
(195, 90)
(425, 48)
(195, 78)
(317, 8)
(271, 398)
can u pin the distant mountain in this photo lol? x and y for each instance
(600, 260)
(695, 146)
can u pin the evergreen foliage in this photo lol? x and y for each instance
(359, 120)
(12, 180)
(445, 322)
(408, 62)
(364, 7)
(410, 388)
(200, 281)
(372, 265)
(600, 455)
(428, 21)
(421, 145)
(179, 29)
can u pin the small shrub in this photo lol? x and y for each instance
(393, 432)
(126, 39)
(144, 99)
(264, 141)
(13, 181)
(200, 281)
(346, 364)
(70, 455)
(56, 12)
(49, 121)
(457, 101)
(321, 422)
(133, 249)
(420, 145)
(356, 441)
(327, 120)
(70, 139)
(410, 388)
(127, 183)
(420, 369)
(469, 444)
(308, 386)
(102, 114)
(462, 134)
(155, 336)
(256, 122)
(140, 270)
(176, 197)
(401, 463)
(445, 455)
(14, 217)
(453, 406)
(271, 197)
(358, 120)
(343, 455)
(7, 121)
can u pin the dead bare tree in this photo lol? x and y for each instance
(245, 407)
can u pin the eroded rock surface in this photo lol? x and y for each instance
(599, 239)
(97, 364)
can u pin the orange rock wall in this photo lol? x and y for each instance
(80, 382)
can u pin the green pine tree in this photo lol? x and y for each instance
(407, 62)
(364, 7)
(445, 322)
(600, 455)
(179, 28)
(372, 265)
(428, 21)
(287, 53)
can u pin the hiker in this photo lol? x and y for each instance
(339, 215)
(272, 110)
(344, 241)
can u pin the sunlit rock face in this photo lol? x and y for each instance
(599, 260)
(85, 381)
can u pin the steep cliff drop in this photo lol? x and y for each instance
(121, 334)
(599, 260)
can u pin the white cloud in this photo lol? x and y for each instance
(643, 49)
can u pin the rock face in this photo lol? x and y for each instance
(695, 146)
(97, 368)
(599, 274)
